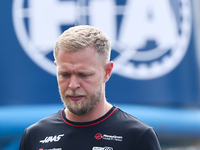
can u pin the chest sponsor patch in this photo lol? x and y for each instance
(100, 136)
(102, 148)
(54, 138)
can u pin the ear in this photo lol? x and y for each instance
(108, 71)
(55, 63)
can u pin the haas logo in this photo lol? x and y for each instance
(149, 37)
(51, 139)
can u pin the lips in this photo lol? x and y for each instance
(75, 98)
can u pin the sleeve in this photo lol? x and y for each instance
(148, 141)
(23, 141)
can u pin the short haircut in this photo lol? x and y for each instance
(81, 37)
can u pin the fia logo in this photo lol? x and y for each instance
(149, 37)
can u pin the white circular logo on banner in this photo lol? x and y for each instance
(150, 37)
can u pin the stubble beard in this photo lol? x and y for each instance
(83, 106)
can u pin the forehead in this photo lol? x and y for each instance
(83, 58)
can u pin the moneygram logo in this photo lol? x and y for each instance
(149, 37)
(99, 136)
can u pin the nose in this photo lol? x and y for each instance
(74, 83)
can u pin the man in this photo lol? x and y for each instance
(89, 122)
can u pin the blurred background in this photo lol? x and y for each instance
(156, 54)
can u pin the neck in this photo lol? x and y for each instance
(101, 109)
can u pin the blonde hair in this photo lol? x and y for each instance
(83, 36)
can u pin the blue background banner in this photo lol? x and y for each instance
(25, 81)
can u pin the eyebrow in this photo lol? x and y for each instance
(61, 71)
(83, 71)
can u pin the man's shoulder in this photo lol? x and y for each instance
(45, 123)
(130, 122)
(136, 130)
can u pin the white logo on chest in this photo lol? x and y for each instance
(55, 138)
(102, 148)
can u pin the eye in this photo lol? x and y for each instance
(64, 75)
(83, 75)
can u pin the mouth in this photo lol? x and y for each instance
(75, 98)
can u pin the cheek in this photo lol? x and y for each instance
(62, 86)
(88, 86)
(95, 85)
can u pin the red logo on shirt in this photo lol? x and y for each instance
(98, 136)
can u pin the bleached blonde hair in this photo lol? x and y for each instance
(81, 37)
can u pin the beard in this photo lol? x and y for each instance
(83, 106)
